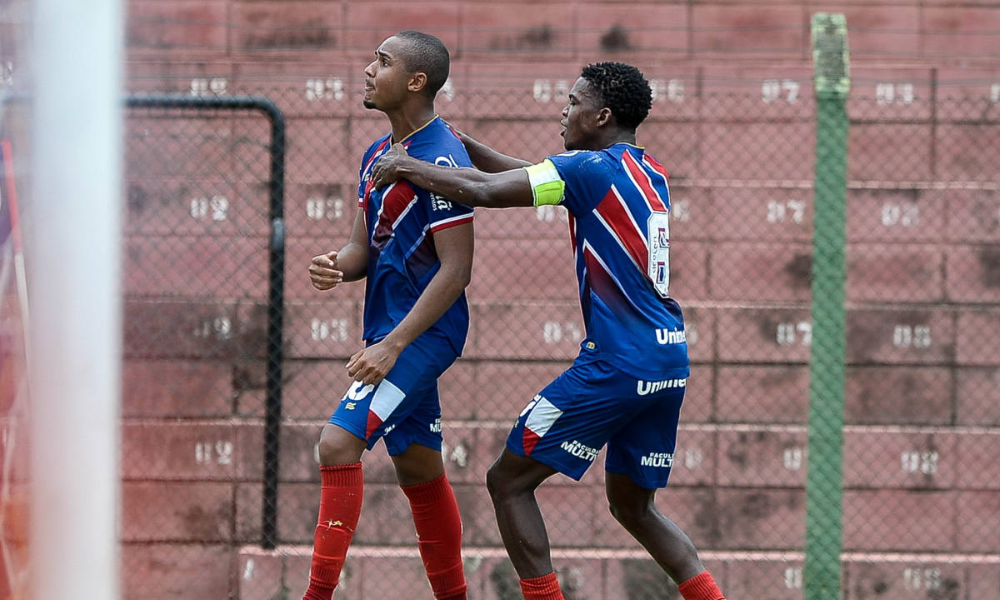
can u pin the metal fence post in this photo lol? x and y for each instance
(824, 486)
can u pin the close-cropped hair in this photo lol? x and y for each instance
(427, 54)
(623, 89)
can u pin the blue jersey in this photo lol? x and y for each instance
(618, 205)
(401, 220)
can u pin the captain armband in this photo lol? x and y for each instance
(547, 186)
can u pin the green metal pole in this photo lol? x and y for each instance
(824, 485)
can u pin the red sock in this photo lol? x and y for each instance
(339, 508)
(439, 531)
(701, 587)
(545, 587)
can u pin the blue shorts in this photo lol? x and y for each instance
(592, 404)
(404, 408)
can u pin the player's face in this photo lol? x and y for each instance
(385, 77)
(579, 117)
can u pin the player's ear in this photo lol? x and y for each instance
(603, 117)
(418, 81)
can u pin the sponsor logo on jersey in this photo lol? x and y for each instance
(580, 450)
(439, 203)
(658, 460)
(649, 387)
(667, 336)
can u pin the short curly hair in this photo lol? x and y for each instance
(623, 89)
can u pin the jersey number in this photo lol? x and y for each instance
(658, 228)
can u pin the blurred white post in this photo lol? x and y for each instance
(73, 254)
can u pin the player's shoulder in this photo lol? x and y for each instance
(439, 144)
(376, 146)
(584, 163)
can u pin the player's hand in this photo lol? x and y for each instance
(371, 365)
(385, 170)
(324, 272)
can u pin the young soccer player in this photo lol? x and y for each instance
(626, 386)
(415, 250)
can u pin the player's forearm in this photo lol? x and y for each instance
(466, 186)
(489, 160)
(443, 290)
(352, 260)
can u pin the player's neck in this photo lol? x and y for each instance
(620, 137)
(409, 119)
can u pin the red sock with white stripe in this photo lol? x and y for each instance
(342, 487)
(439, 535)
(701, 587)
(545, 587)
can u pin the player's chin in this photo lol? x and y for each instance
(369, 104)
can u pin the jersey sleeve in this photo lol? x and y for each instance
(577, 180)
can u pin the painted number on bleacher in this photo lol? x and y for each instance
(331, 88)
(681, 210)
(995, 93)
(220, 328)
(904, 215)
(458, 455)
(447, 90)
(207, 453)
(325, 209)
(203, 86)
(793, 578)
(791, 334)
(672, 91)
(791, 211)
(792, 459)
(773, 90)
(921, 579)
(545, 91)
(690, 458)
(691, 333)
(894, 93)
(912, 336)
(334, 330)
(215, 208)
(548, 214)
(554, 332)
(919, 461)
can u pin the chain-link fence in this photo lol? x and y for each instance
(921, 485)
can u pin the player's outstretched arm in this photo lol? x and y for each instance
(486, 158)
(454, 247)
(465, 186)
(350, 263)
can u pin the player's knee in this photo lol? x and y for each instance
(338, 449)
(628, 514)
(496, 482)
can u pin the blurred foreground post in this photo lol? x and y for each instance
(824, 486)
(73, 254)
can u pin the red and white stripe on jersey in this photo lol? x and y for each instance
(643, 183)
(656, 166)
(397, 200)
(451, 222)
(614, 214)
(363, 200)
(387, 398)
(543, 416)
(595, 262)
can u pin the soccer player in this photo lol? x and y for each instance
(626, 385)
(415, 250)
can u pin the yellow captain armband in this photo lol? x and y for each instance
(547, 186)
